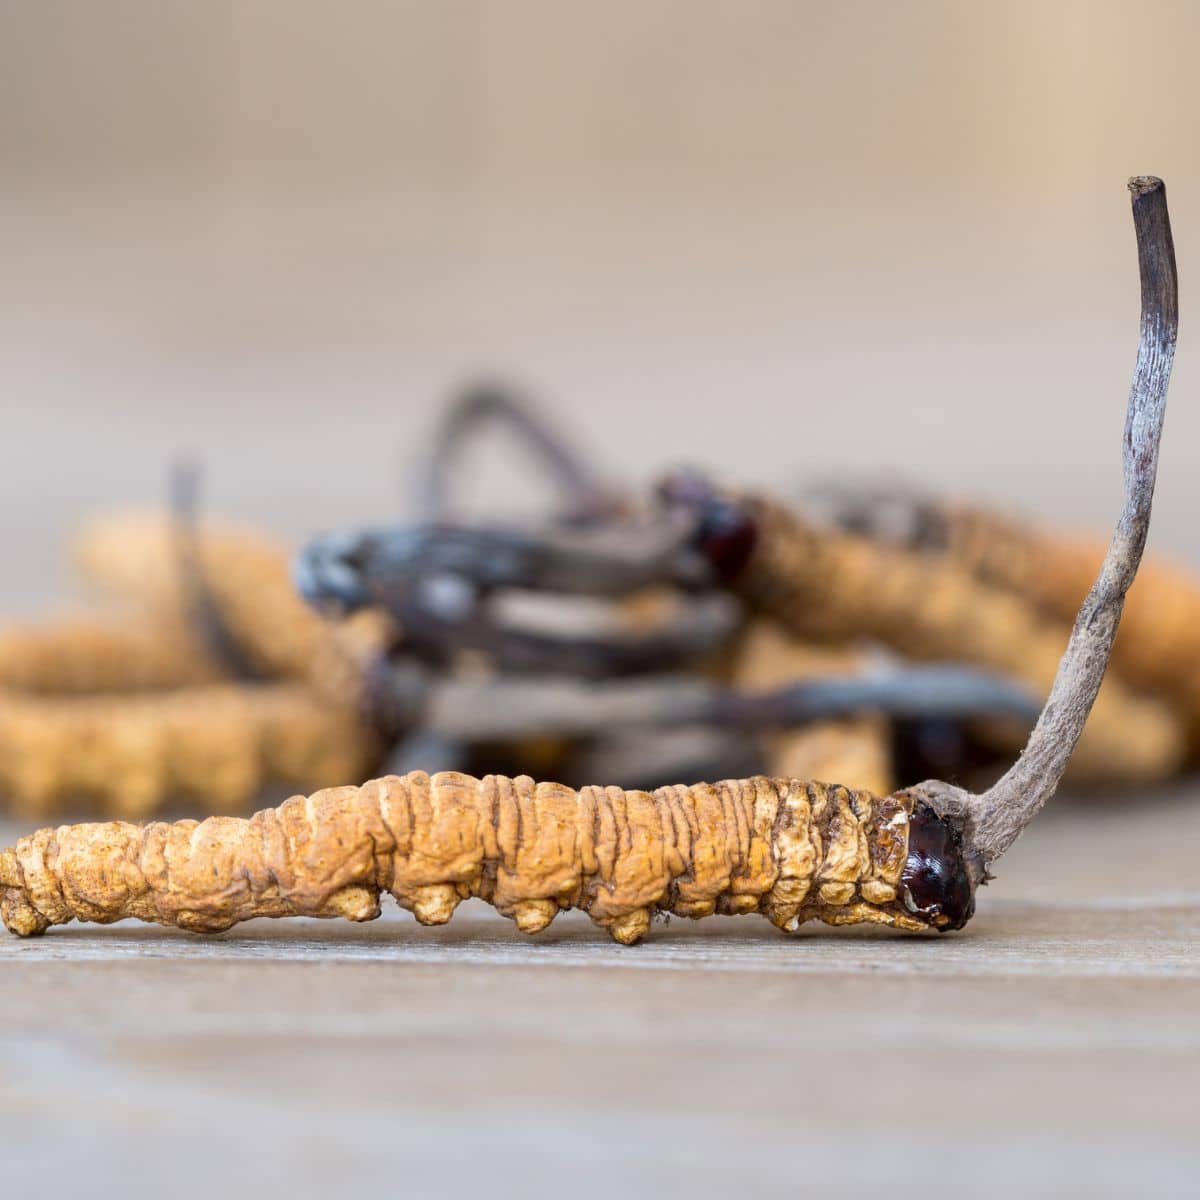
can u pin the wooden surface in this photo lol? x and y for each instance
(1051, 1048)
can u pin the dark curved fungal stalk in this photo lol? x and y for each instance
(202, 610)
(585, 496)
(995, 819)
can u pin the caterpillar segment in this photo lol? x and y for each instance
(129, 755)
(835, 586)
(248, 578)
(791, 850)
(79, 655)
(1158, 646)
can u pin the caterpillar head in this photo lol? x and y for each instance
(935, 882)
(726, 531)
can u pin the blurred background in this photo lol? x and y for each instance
(784, 240)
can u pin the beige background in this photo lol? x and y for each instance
(785, 239)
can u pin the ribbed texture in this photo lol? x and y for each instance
(791, 850)
(1158, 646)
(79, 655)
(840, 586)
(128, 753)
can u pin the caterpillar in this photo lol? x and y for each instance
(1158, 647)
(80, 655)
(793, 851)
(248, 578)
(131, 717)
(131, 753)
(835, 586)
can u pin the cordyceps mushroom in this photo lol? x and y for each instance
(1159, 644)
(128, 717)
(790, 849)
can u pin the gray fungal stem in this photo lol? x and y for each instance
(994, 820)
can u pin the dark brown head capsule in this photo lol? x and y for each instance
(935, 883)
(726, 531)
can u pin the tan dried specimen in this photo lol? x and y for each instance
(854, 750)
(837, 586)
(129, 717)
(130, 753)
(82, 654)
(249, 579)
(1158, 646)
(793, 851)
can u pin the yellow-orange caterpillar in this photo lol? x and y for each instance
(840, 586)
(248, 578)
(82, 655)
(793, 851)
(129, 717)
(130, 753)
(1158, 646)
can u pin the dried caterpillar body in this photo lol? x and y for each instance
(1054, 572)
(249, 579)
(1158, 646)
(80, 655)
(129, 718)
(131, 753)
(837, 586)
(791, 850)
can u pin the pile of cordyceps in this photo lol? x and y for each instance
(205, 680)
(873, 638)
(704, 633)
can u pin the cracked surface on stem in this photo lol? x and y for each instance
(996, 818)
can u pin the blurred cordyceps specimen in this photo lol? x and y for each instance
(790, 849)
(826, 584)
(856, 748)
(600, 642)
(1158, 648)
(132, 712)
(81, 655)
(247, 589)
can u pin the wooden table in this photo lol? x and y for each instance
(1052, 1048)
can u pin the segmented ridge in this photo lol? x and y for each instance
(839, 586)
(1158, 646)
(78, 655)
(130, 753)
(791, 850)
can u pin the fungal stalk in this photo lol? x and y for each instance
(995, 819)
